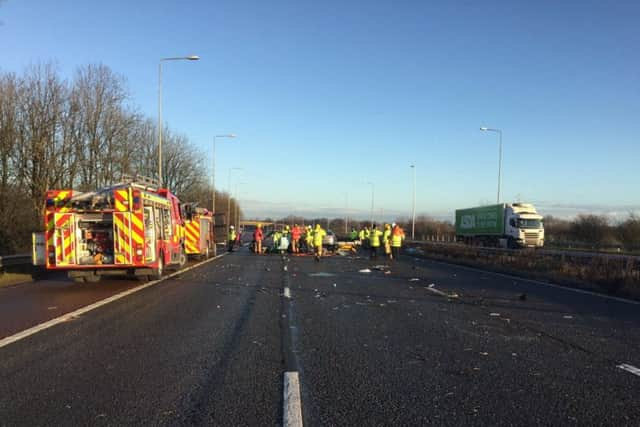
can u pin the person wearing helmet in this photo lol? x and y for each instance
(257, 238)
(386, 240)
(318, 234)
(295, 238)
(374, 240)
(397, 236)
(309, 238)
(232, 237)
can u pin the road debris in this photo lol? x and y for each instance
(484, 353)
(567, 317)
(414, 279)
(494, 314)
(364, 270)
(321, 274)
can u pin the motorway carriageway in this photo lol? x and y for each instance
(272, 340)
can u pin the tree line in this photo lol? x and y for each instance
(83, 133)
(590, 231)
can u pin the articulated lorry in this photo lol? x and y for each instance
(515, 225)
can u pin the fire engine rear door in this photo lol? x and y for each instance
(65, 238)
(122, 241)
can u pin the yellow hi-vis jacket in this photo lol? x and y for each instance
(397, 236)
(374, 238)
(318, 234)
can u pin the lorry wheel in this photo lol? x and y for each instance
(157, 272)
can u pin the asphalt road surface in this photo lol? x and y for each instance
(424, 344)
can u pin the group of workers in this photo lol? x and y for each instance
(372, 238)
(298, 239)
(309, 239)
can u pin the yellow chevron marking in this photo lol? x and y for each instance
(137, 222)
(136, 237)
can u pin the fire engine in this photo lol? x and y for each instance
(133, 228)
(199, 232)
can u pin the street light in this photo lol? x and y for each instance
(180, 58)
(237, 193)
(413, 213)
(229, 199)
(372, 190)
(213, 183)
(499, 132)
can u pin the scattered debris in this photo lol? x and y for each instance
(364, 270)
(432, 285)
(322, 274)
(387, 272)
(414, 279)
(484, 353)
(380, 267)
(567, 317)
(494, 314)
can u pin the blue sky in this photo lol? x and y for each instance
(327, 96)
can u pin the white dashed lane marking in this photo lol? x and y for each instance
(292, 415)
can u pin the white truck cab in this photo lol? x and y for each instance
(523, 225)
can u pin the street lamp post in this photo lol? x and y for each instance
(499, 132)
(180, 58)
(237, 193)
(229, 199)
(413, 210)
(213, 181)
(372, 191)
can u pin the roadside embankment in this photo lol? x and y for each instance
(613, 274)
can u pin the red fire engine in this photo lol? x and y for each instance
(132, 228)
(199, 232)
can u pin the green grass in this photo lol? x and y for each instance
(8, 279)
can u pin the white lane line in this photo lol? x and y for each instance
(292, 415)
(287, 292)
(630, 368)
(69, 316)
(537, 282)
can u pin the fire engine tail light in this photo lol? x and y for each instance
(139, 253)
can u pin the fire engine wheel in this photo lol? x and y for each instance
(158, 271)
(183, 258)
(92, 278)
(206, 255)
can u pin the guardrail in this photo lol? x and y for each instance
(566, 252)
(22, 260)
